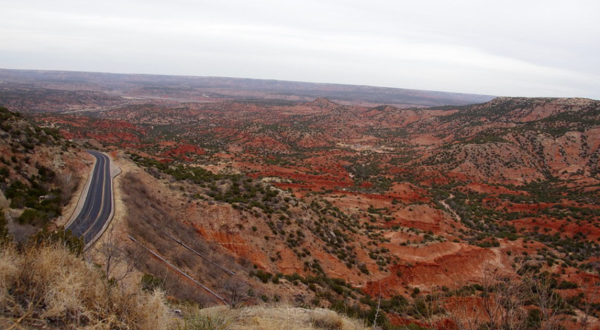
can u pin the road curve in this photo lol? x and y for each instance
(98, 205)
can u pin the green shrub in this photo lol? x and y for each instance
(32, 217)
(3, 227)
(567, 285)
(150, 283)
(60, 236)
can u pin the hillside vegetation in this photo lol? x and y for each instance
(470, 217)
(46, 282)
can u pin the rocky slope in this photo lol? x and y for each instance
(333, 205)
(39, 175)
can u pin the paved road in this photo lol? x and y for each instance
(98, 202)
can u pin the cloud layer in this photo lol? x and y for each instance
(516, 48)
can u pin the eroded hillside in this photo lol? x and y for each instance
(40, 173)
(337, 205)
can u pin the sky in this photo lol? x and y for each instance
(506, 48)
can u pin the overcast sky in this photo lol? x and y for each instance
(510, 47)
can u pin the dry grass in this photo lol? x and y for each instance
(49, 288)
(52, 289)
(147, 210)
(281, 318)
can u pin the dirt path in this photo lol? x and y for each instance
(450, 209)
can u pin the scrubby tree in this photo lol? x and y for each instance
(117, 264)
(235, 292)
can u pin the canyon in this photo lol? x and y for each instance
(326, 197)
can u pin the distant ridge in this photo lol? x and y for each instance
(322, 103)
(235, 88)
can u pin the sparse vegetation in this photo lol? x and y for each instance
(323, 188)
(50, 287)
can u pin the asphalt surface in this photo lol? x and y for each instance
(98, 203)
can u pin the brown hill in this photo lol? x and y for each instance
(40, 173)
(108, 88)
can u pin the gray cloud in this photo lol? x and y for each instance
(529, 48)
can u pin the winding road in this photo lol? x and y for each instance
(98, 206)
